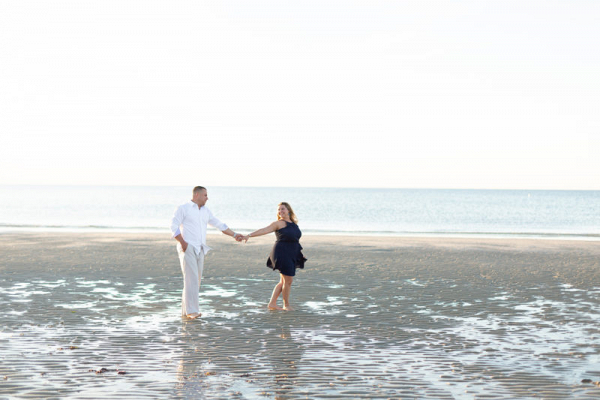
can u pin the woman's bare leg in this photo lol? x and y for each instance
(276, 292)
(285, 291)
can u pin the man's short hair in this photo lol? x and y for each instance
(197, 189)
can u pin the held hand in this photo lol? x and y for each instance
(246, 238)
(238, 237)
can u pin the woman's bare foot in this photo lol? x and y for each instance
(288, 308)
(193, 315)
(274, 307)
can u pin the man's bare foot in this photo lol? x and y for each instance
(288, 308)
(274, 307)
(193, 315)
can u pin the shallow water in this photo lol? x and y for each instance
(409, 338)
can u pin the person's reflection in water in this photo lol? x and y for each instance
(217, 361)
(189, 366)
(284, 354)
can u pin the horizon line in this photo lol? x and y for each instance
(299, 187)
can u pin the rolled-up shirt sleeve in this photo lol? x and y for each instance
(176, 221)
(213, 221)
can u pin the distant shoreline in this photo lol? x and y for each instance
(308, 232)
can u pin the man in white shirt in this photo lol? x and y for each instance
(189, 229)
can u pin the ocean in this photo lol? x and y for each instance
(328, 211)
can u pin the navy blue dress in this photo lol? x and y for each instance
(286, 254)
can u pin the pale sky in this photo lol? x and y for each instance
(414, 94)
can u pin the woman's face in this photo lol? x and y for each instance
(283, 212)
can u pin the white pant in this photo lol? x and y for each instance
(192, 266)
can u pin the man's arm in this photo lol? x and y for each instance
(234, 235)
(178, 217)
(182, 242)
(213, 221)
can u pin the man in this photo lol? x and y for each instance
(189, 229)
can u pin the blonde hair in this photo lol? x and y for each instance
(289, 208)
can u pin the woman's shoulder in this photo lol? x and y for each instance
(279, 224)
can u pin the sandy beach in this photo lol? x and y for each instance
(88, 316)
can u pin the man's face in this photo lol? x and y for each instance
(201, 198)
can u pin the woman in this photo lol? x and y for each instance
(286, 255)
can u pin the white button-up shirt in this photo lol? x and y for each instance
(191, 222)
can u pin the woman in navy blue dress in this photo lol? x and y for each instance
(286, 254)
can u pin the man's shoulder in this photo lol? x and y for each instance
(185, 205)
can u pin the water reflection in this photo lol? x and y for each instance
(285, 355)
(258, 355)
(415, 345)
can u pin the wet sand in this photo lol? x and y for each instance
(375, 318)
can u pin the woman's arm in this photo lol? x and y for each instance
(266, 230)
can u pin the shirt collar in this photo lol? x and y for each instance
(192, 204)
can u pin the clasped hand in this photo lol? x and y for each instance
(239, 237)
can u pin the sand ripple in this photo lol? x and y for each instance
(373, 331)
(356, 342)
